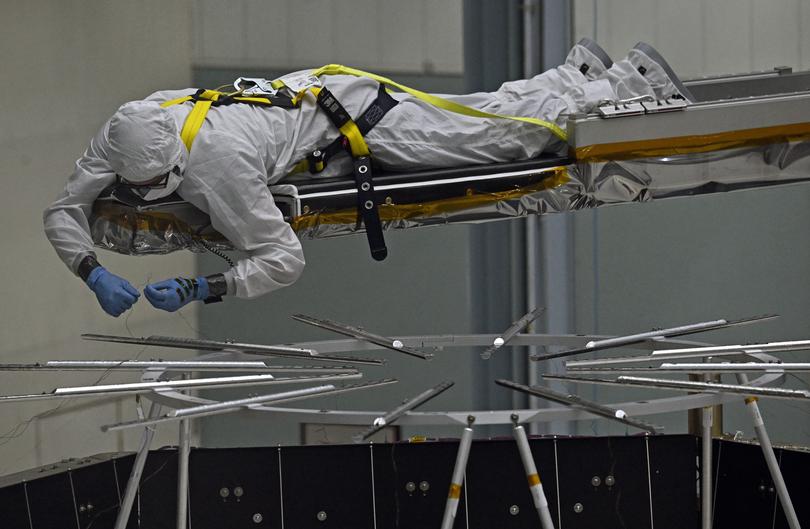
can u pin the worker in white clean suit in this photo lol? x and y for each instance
(240, 149)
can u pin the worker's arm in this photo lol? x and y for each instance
(68, 230)
(227, 179)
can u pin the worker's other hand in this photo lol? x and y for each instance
(114, 294)
(171, 294)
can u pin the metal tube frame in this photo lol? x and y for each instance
(456, 482)
(137, 470)
(535, 485)
(770, 458)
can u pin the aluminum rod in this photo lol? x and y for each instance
(399, 411)
(578, 402)
(214, 345)
(169, 385)
(684, 385)
(134, 481)
(183, 451)
(736, 367)
(770, 347)
(533, 477)
(683, 330)
(454, 494)
(169, 365)
(360, 334)
(512, 331)
(707, 415)
(219, 408)
(639, 359)
(770, 458)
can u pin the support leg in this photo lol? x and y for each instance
(137, 470)
(458, 476)
(183, 449)
(770, 458)
(535, 486)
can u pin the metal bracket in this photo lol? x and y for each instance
(620, 109)
(667, 105)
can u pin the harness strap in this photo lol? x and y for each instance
(352, 135)
(205, 99)
(315, 162)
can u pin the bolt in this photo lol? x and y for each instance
(610, 481)
(363, 169)
(238, 492)
(365, 186)
(424, 486)
(82, 508)
(321, 516)
(596, 481)
(368, 204)
(578, 508)
(257, 517)
(224, 492)
(514, 510)
(410, 486)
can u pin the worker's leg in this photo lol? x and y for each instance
(415, 134)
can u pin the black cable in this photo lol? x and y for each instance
(216, 251)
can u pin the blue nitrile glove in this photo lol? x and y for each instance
(172, 294)
(114, 294)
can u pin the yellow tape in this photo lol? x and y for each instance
(692, 144)
(455, 491)
(534, 479)
(749, 400)
(446, 104)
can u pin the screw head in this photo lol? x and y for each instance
(238, 492)
(365, 186)
(424, 486)
(224, 492)
(257, 517)
(596, 481)
(610, 481)
(578, 508)
(368, 204)
(363, 169)
(514, 510)
(321, 516)
(410, 486)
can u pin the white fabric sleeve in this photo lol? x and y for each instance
(227, 179)
(66, 220)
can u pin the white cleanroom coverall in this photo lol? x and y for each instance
(241, 148)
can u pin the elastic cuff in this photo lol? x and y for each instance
(216, 287)
(95, 273)
(87, 265)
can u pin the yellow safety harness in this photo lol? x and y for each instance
(352, 132)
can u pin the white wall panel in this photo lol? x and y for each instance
(70, 64)
(703, 37)
(266, 32)
(357, 33)
(387, 35)
(443, 29)
(775, 33)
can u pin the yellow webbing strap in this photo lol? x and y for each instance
(446, 104)
(196, 117)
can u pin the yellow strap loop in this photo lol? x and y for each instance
(446, 104)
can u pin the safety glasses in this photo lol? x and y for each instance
(158, 182)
